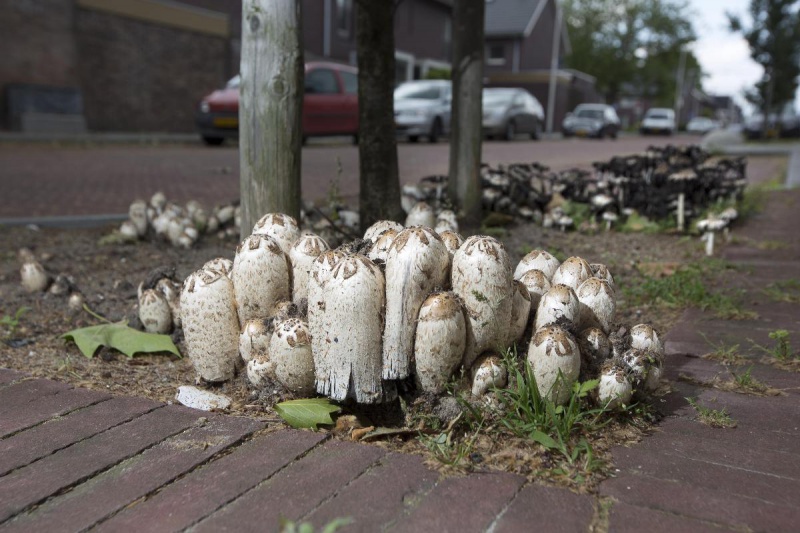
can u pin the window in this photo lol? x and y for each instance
(344, 17)
(321, 81)
(496, 54)
(350, 82)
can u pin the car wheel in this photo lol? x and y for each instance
(355, 139)
(614, 133)
(511, 131)
(436, 130)
(213, 141)
(536, 134)
(413, 138)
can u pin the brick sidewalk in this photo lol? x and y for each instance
(76, 459)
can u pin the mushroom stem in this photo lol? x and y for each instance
(681, 211)
(709, 237)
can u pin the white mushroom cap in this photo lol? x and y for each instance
(452, 240)
(128, 230)
(154, 312)
(601, 271)
(33, 276)
(488, 372)
(254, 341)
(374, 232)
(290, 349)
(540, 260)
(446, 221)
(283, 228)
(158, 201)
(614, 390)
(644, 337)
(440, 340)
(553, 352)
(597, 304)
(301, 256)
(421, 215)
(380, 250)
(259, 370)
(260, 277)
(137, 213)
(572, 272)
(220, 264)
(595, 349)
(557, 306)
(537, 284)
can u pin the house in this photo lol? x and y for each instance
(520, 37)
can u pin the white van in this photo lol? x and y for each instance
(658, 120)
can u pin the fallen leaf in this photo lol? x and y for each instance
(122, 337)
(307, 412)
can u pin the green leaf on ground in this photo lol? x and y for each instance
(122, 337)
(307, 412)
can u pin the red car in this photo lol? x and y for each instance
(330, 105)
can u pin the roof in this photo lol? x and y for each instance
(512, 17)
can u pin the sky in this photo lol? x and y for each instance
(723, 56)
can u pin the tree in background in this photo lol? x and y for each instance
(774, 39)
(270, 125)
(379, 194)
(465, 132)
(630, 42)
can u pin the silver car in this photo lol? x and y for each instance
(422, 109)
(507, 112)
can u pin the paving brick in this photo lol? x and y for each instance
(203, 491)
(554, 508)
(725, 478)
(705, 370)
(462, 504)
(47, 407)
(701, 503)
(47, 438)
(10, 376)
(295, 490)
(747, 437)
(625, 518)
(379, 496)
(33, 483)
(18, 394)
(134, 478)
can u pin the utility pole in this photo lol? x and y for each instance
(554, 53)
(679, 78)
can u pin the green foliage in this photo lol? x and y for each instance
(438, 74)
(726, 354)
(784, 291)
(121, 337)
(747, 382)
(637, 223)
(634, 42)
(712, 417)
(11, 323)
(307, 413)
(689, 286)
(288, 526)
(782, 349)
(579, 212)
(528, 414)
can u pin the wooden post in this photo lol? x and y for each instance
(466, 135)
(270, 109)
(681, 211)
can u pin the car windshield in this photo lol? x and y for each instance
(234, 82)
(589, 113)
(417, 91)
(658, 116)
(496, 97)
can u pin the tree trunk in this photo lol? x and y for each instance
(466, 134)
(270, 109)
(379, 196)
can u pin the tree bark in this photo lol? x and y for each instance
(270, 109)
(379, 195)
(466, 134)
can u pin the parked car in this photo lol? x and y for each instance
(701, 125)
(330, 105)
(422, 109)
(507, 112)
(658, 120)
(591, 120)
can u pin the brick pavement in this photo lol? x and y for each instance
(74, 459)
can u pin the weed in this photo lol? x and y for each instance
(496, 232)
(446, 447)
(288, 526)
(579, 212)
(723, 353)
(11, 323)
(747, 383)
(524, 249)
(781, 350)
(787, 291)
(712, 417)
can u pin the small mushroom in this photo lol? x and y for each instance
(614, 390)
(154, 312)
(595, 350)
(172, 293)
(282, 228)
(597, 304)
(260, 370)
(440, 341)
(645, 337)
(290, 350)
(446, 221)
(555, 362)
(421, 215)
(33, 276)
(572, 272)
(540, 260)
(520, 312)
(302, 255)
(537, 284)
(375, 231)
(601, 271)
(559, 305)
(137, 215)
(128, 231)
(254, 341)
(380, 250)
(610, 218)
(709, 227)
(260, 277)
(488, 372)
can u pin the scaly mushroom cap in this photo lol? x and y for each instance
(154, 312)
(158, 201)
(137, 213)
(259, 370)
(226, 214)
(33, 276)
(644, 337)
(377, 229)
(572, 272)
(440, 341)
(488, 372)
(553, 352)
(595, 350)
(290, 349)
(220, 264)
(446, 221)
(172, 292)
(380, 250)
(520, 312)
(537, 284)
(540, 260)
(128, 231)
(559, 305)
(639, 362)
(417, 263)
(282, 228)
(318, 321)
(481, 277)
(597, 304)
(260, 277)
(452, 240)
(254, 341)
(614, 390)
(302, 256)
(421, 215)
(210, 324)
(601, 271)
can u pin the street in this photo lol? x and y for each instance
(40, 180)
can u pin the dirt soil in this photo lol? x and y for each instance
(109, 275)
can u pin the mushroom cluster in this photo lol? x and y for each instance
(34, 278)
(179, 225)
(406, 303)
(656, 184)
